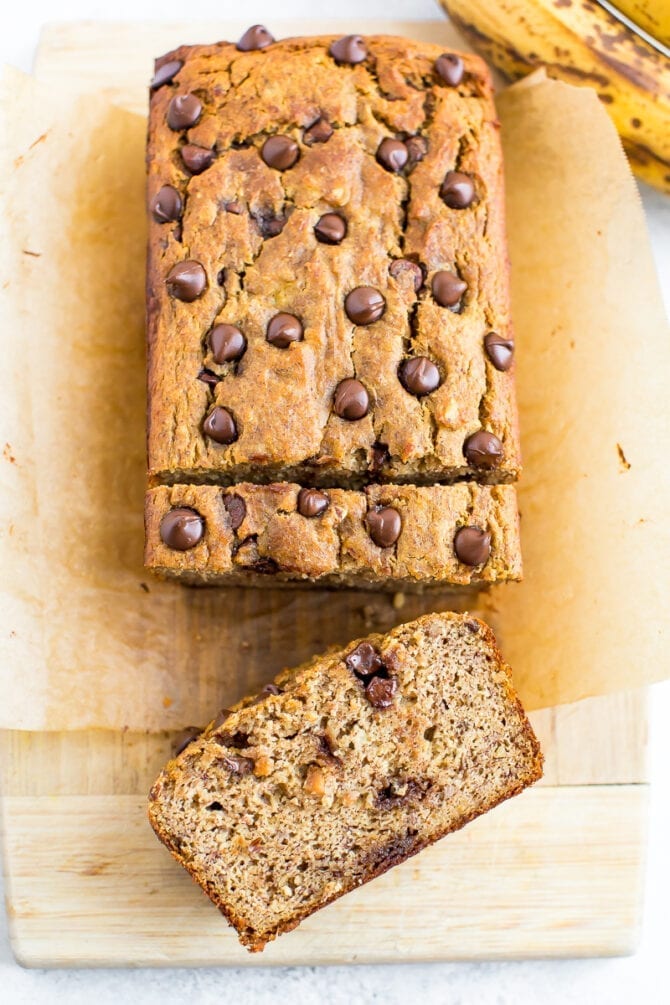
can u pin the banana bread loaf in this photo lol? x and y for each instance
(392, 537)
(327, 277)
(343, 768)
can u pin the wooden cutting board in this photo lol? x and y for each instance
(554, 872)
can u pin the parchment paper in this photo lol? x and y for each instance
(89, 639)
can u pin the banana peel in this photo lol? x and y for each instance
(652, 15)
(580, 42)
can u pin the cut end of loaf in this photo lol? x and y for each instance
(259, 535)
(345, 767)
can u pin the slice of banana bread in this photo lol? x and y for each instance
(387, 537)
(343, 768)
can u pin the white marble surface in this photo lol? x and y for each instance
(640, 978)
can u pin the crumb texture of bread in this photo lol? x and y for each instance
(255, 535)
(242, 222)
(343, 768)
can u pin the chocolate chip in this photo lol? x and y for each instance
(237, 765)
(183, 739)
(268, 224)
(417, 148)
(364, 305)
(227, 343)
(283, 329)
(256, 37)
(265, 566)
(457, 190)
(246, 552)
(449, 67)
(238, 740)
(447, 288)
(280, 152)
(392, 155)
(186, 281)
(221, 277)
(182, 528)
(269, 688)
(404, 267)
(472, 545)
(166, 205)
(349, 49)
(166, 73)
(483, 449)
(331, 228)
(419, 375)
(384, 526)
(220, 426)
(379, 456)
(236, 208)
(327, 748)
(196, 159)
(381, 690)
(364, 660)
(312, 502)
(183, 111)
(209, 378)
(319, 132)
(236, 509)
(400, 791)
(351, 400)
(224, 714)
(499, 350)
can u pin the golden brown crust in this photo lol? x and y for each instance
(281, 398)
(274, 542)
(483, 775)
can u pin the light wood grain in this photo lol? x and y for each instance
(549, 873)
(556, 871)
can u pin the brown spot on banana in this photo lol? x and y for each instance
(643, 154)
(612, 42)
(562, 70)
(647, 164)
(630, 72)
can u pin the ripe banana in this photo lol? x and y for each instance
(579, 42)
(652, 15)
